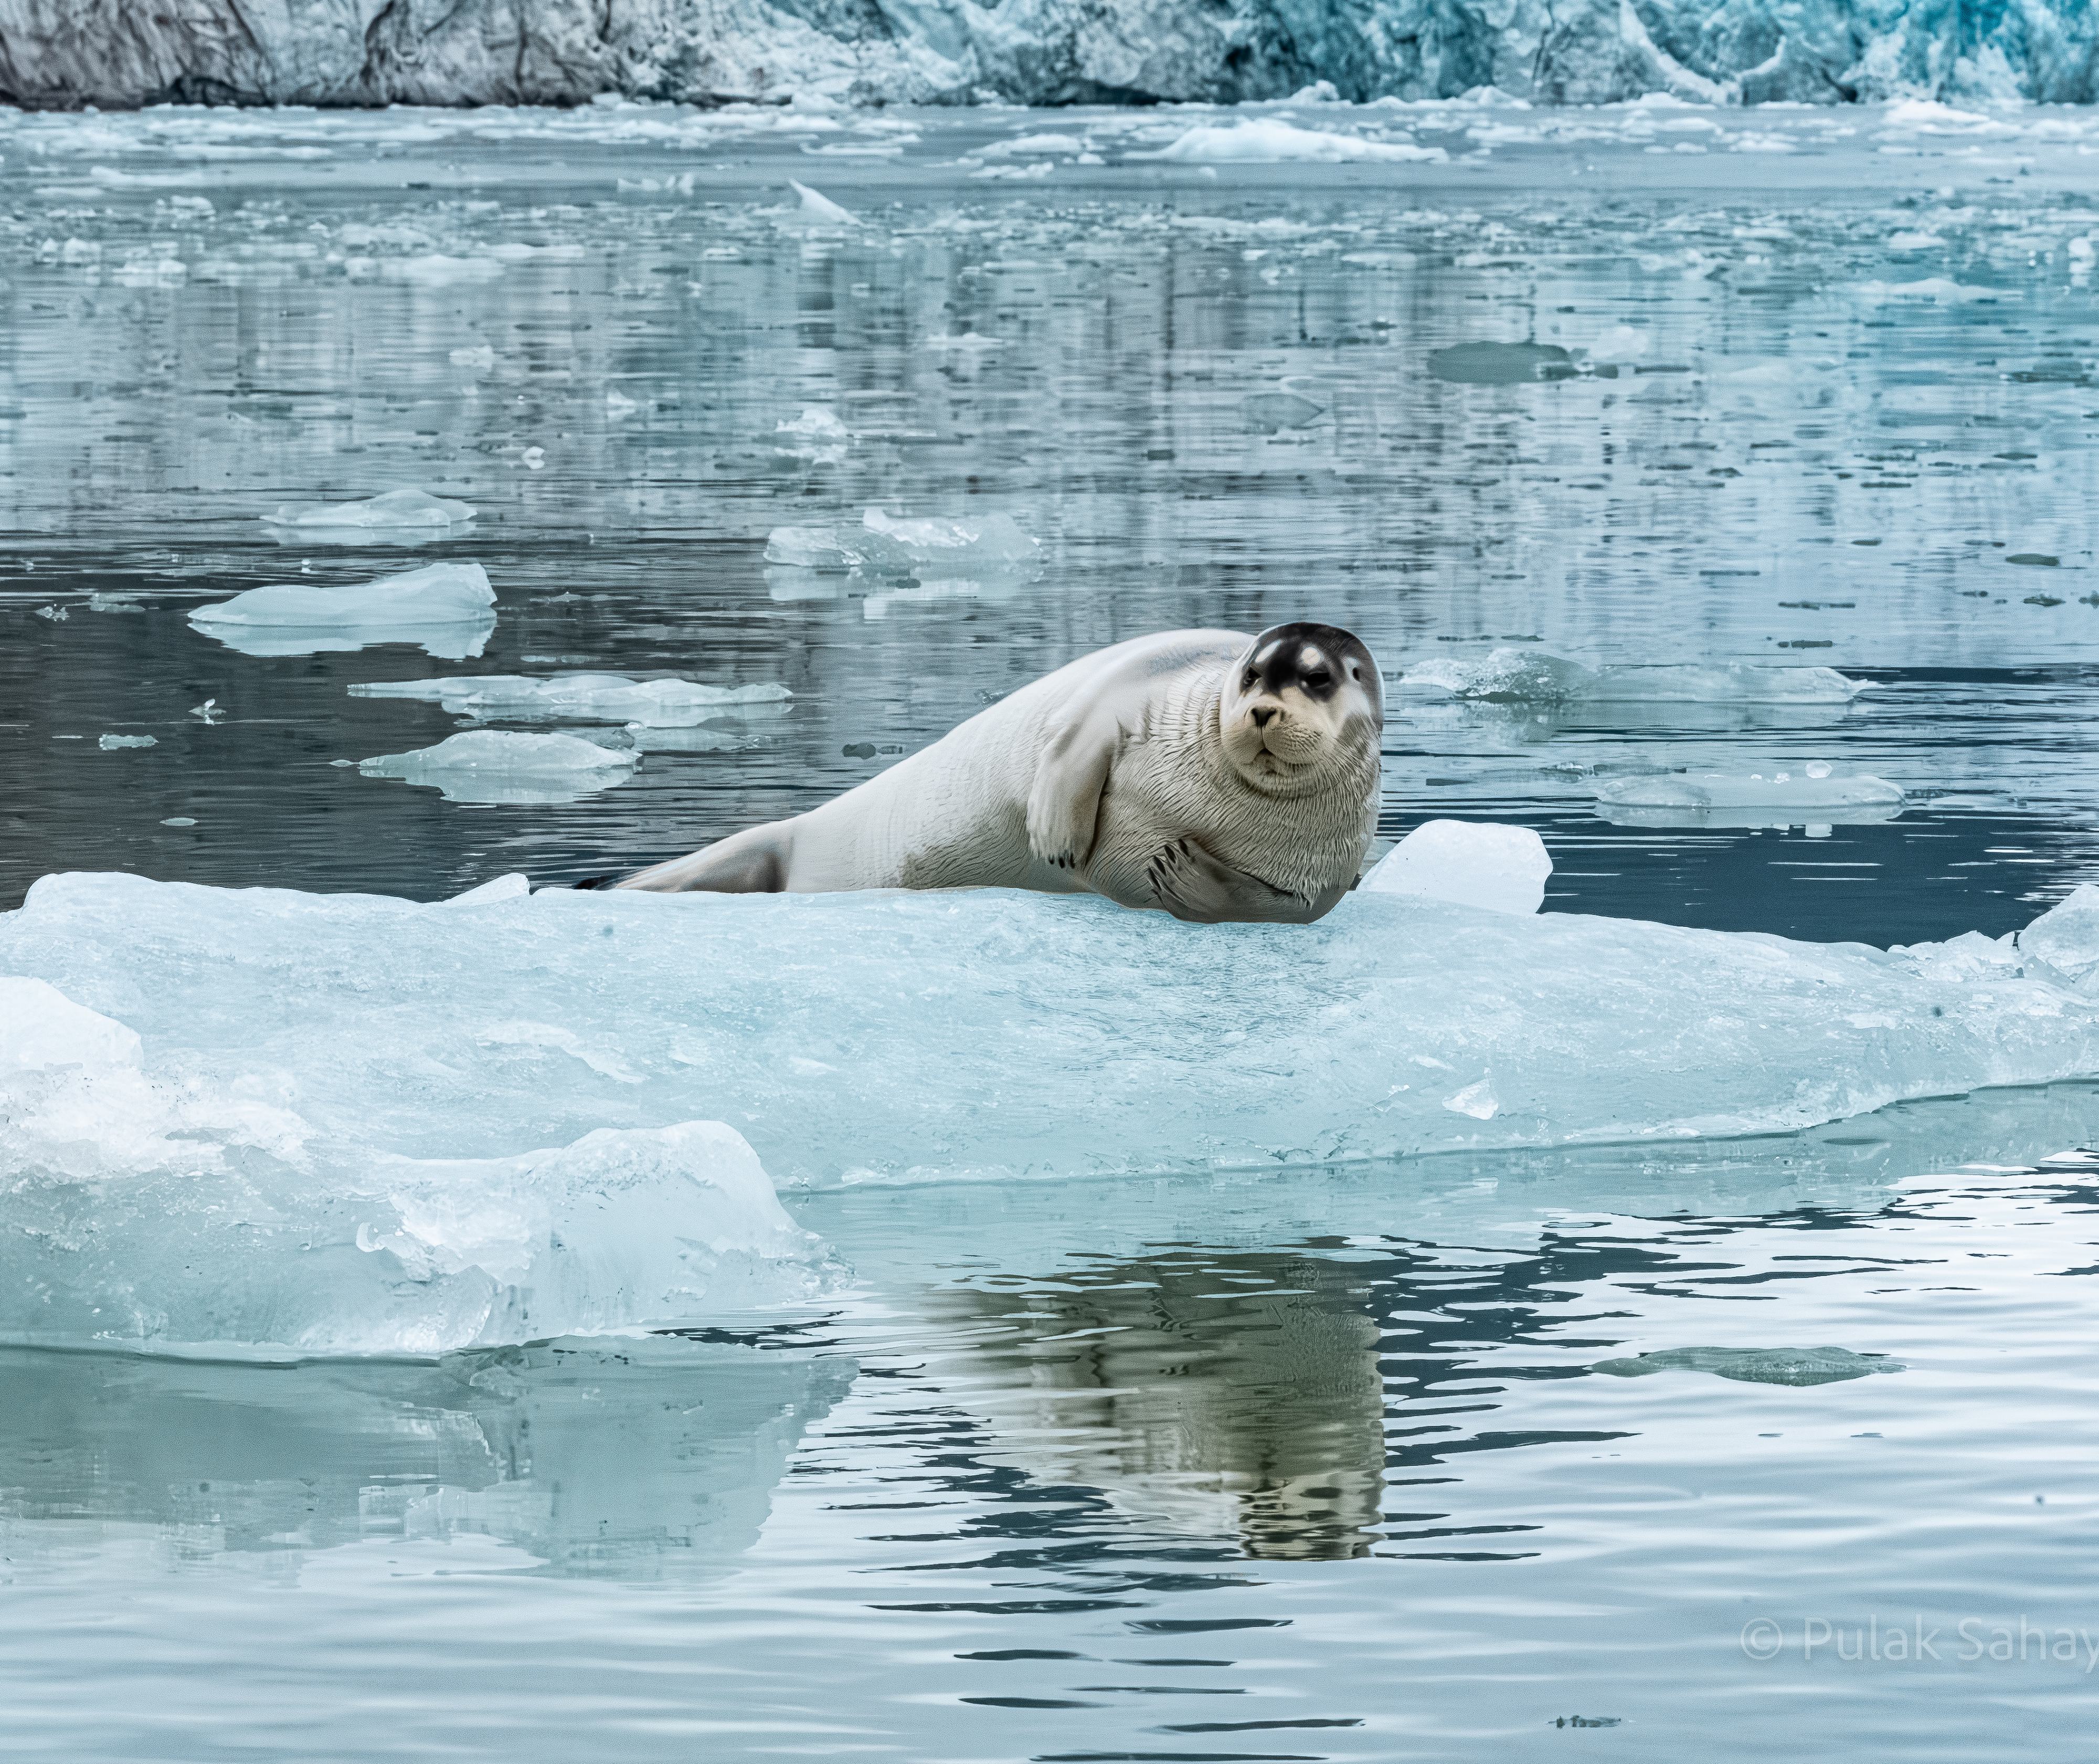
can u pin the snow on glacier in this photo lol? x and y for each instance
(670, 704)
(447, 609)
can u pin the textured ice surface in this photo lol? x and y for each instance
(1773, 795)
(2066, 937)
(110, 743)
(586, 697)
(396, 511)
(501, 766)
(929, 548)
(1503, 869)
(982, 1035)
(448, 609)
(1053, 51)
(1531, 676)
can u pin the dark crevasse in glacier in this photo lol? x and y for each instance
(57, 53)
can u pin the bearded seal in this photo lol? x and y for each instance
(1211, 774)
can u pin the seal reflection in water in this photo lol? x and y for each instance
(1233, 1395)
(1214, 776)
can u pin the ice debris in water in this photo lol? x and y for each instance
(816, 434)
(953, 1036)
(927, 548)
(55, 613)
(448, 609)
(499, 765)
(160, 1202)
(1766, 797)
(109, 743)
(1269, 139)
(1756, 1366)
(413, 510)
(819, 208)
(586, 697)
(1500, 868)
(1532, 677)
(1270, 412)
(1501, 363)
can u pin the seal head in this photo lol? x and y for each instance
(1302, 700)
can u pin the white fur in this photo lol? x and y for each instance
(1080, 781)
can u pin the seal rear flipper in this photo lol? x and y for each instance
(754, 861)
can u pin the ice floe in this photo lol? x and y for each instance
(929, 548)
(987, 1035)
(1777, 795)
(501, 766)
(583, 696)
(110, 743)
(1501, 868)
(1271, 140)
(447, 609)
(1532, 677)
(416, 511)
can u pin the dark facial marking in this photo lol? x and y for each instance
(1316, 659)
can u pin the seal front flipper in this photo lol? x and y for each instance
(1064, 802)
(1191, 882)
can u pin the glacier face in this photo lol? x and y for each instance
(125, 52)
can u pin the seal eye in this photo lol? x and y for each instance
(1319, 680)
(1247, 681)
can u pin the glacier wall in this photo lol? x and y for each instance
(62, 53)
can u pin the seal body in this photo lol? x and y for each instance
(1206, 772)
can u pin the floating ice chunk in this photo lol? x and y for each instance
(2067, 936)
(56, 614)
(398, 510)
(1270, 140)
(587, 697)
(1777, 795)
(1500, 868)
(1937, 289)
(962, 1026)
(1620, 343)
(1271, 412)
(473, 356)
(497, 766)
(1756, 1366)
(928, 549)
(1036, 143)
(109, 743)
(816, 434)
(446, 608)
(1532, 677)
(819, 208)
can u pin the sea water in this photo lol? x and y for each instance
(1430, 1418)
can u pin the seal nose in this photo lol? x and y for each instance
(1262, 715)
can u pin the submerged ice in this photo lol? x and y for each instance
(502, 765)
(350, 1122)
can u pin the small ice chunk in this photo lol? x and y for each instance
(1478, 1101)
(1269, 140)
(501, 766)
(1620, 343)
(414, 510)
(1508, 676)
(1773, 791)
(1474, 863)
(1500, 364)
(110, 743)
(816, 434)
(514, 886)
(817, 207)
(929, 548)
(589, 697)
(180, 820)
(474, 355)
(2067, 936)
(56, 615)
(1268, 413)
(208, 711)
(448, 608)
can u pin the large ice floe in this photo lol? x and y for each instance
(584, 697)
(410, 512)
(351, 1123)
(447, 608)
(1776, 795)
